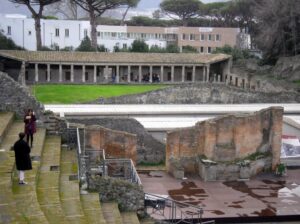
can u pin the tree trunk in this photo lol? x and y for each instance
(124, 16)
(93, 29)
(37, 24)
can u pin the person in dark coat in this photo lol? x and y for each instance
(22, 156)
(30, 125)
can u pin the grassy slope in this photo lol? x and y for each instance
(69, 94)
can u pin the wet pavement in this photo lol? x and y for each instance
(265, 195)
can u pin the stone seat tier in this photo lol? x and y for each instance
(129, 218)
(69, 188)
(9, 134)
(25, 196)
(6, 120)
(48, 181)
(111, 213)
(92, 208)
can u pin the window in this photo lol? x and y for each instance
(124, 46)
(201, 49)
(57, 32)
(202, 37)
(98, 34)
(67, 33)
(114, 34)
(183, 36)
(29, 33)
(236, 81)
(68, 76)
(85, 32)
(192, 36)
(209, 37)
(8, 30)
(208, 49)
(86, 76)
(218, 37)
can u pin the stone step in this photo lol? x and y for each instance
(48, 181)
(8, 209)
(111, 213)
(92, 208)
(25, 196)
(69, 188)
(6, 119)
(147, 221)
(129, 218)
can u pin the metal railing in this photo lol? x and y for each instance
(171, 211)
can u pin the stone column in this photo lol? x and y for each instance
(36, 69)
(207, 72)
(105, 72)
(172, 73)
(151, 74)
(22, 73)
(117, 73)
(129, 73)
(194, 73)
(83, 73)
(60, 73)
(48, 73)
(95, 73)
(219, 78)
(162, 73)
(140, 74)
(183, 73)
(204, 79)
(72, 73)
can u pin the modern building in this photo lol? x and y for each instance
(104, 67)
(59, 34)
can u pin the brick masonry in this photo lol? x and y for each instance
(226, 139)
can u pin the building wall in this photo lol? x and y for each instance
(66, 33)
(226, 139)
(117, 144)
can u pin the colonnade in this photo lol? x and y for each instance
(198, 72)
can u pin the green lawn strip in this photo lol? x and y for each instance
(70, 94)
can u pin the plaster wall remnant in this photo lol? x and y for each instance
(117, 144)
(227, 140)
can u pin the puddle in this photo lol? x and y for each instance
(216, 212)
(269, 189)
(189, 192)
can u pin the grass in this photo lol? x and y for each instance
(72, 94)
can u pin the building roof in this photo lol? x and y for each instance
(113, 58)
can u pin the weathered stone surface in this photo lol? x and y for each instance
(201, 93)
(149, 150)
(129, 196)
(17, 98)
(117, 144)
(225, 140)
(288, 68)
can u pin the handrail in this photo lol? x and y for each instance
(135, 172)
(78, 141)
(177, 202)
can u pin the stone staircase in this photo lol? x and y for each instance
(52, 194)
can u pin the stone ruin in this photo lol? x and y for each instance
(229, 147)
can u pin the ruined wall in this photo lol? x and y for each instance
(17, 98)
(226, 139)
(117, 144)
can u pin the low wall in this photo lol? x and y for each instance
(129, 196)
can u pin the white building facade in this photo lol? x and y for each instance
(59, 34)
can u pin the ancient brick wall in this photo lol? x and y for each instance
(117, 144)
(226, 139)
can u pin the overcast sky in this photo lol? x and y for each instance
(8, 7)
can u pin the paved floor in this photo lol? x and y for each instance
(265, 195)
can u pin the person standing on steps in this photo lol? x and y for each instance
(22, 157)
(30, 125)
